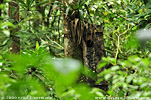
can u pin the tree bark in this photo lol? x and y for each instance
(71, 48)
(13, 12)
(84, 41)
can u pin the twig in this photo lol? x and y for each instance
(118, 47)
(48, 43)
(126, 30)
(127, 19)
(59, 28)
(54, 42)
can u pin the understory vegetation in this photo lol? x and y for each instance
(41, 69)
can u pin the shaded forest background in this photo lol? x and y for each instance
(75, 49)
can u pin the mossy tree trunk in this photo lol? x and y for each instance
(13, 12)
(83, 41)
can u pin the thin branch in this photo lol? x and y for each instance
(59, 29)
(49, 43)
(117, 51)
(126, 30)
(127, 19)
(54, 42)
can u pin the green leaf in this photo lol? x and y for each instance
(130, 78)
(67, 11)
(1, 57)
(37, 45)
(145, 62)
(29, 3)
(114, 68)
(107, 76)
(121, 93)
(81, 4)
(100, 80)
(22, 3)
(144, 85)
(102, 64)
(77, 5)
(81, 14)
(40, 3)
(6, 32)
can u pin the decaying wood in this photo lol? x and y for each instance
(84, 41)
(71, 49)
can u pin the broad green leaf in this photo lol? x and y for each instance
(102, 64)
(107, 76)
(114, 68)
(6, 32)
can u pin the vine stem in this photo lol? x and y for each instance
(118, 43)
(117, 51)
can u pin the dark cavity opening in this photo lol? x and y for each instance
(89, 43)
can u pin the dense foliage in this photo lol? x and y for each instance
(40, 69)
